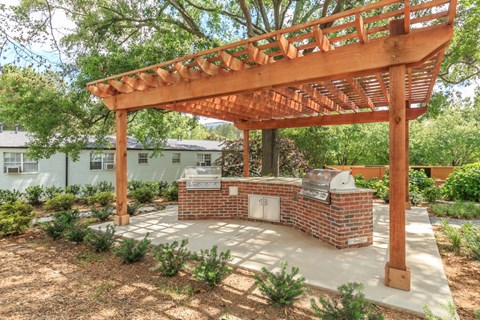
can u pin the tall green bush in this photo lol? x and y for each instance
(15, 217)
(171, 257)
(212, 267)
(130, 251)
(143, 195)
(60, 202)
(464, 183)
(101, 241)
(10, 195)
(33, 194)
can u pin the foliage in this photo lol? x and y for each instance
(449, 307)
(62, 221)
(88, 190)
(415, 197)
(33, 194)
(350, 305)
(162, 187)
(454, 235)
(73, 189)
(51, 192)
(464, 183)
(132, 208)
(291, 162)
(418, 180)
(102, 214)
(171, 257)
(104, 198)
(101, 241)
(212, 267)
(104, 186)
(60, 202)
(76, 233)
(432, 194)
(10, 195)
(458, 210)
(130, 251)
(15, 217)
(143, 194)
(281, 287)
(472, 240)
(171, 194)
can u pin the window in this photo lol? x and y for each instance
(17, 162)
(102, 161)
(204, 159)
(143, 158)
(176, 157)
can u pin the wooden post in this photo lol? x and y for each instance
(122, 217)
(397, 274)
(246, 155)
(407, 164)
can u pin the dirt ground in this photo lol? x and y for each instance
(45, 279)
(463, 276)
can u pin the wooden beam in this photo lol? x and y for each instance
(121, 217)
(135, 83)
(452, 9)
(231, 62)
(246, 156)
(187, 73)
(323, 44)
(361, 30)
(120, 86)
(151, 80)
(287, 48)
(383, 87)
(300, 98)
(334, 91)
(348, 118)
(397, 120)
(357, 87)
(406, 16)
(207, 67)
(374, 56)
(167, 76)
(258, 56)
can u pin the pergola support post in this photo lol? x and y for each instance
(397, 274)
(246, 154)
(407, 163)
(122, 217)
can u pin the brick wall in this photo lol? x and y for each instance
(344, 223)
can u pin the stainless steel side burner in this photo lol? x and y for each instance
(318, 183)
(203, 178)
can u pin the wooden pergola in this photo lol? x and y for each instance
(374, 63)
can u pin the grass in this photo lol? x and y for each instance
(87, 258)
(176, 290)
(458, 210)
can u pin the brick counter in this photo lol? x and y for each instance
(344, 223)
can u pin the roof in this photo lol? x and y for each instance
(10, 139)
(304, 75)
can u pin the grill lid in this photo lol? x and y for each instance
(326, 180)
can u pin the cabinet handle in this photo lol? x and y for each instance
(265, 202)
(261, 202)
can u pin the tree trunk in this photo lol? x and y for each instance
(270, 154)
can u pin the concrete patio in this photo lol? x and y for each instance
(255, 245)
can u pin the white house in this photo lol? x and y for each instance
(19, 172)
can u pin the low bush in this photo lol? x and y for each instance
(76, 233)
(416, 198)
(51, 192)
(449, 307)
(104, 186)
(453, 234)
(281, 288)
(212, 267)
(162, 187)
(60, 202)
(10, 195)
(132, 208)
(171, 257)
(102, 214)
(459, 210)
(101, 241)
(33, 194)
(62, 221)
(464, 183)
(104, 198)
(88, 190)
(15, 217)
(351, 305)
(130, 251)
(171, 194)
(143, 195)
(73, 189)
(432, 194)
(133, 185)
(418, 180)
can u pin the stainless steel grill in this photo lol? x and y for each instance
(203, 178)
(318, 183)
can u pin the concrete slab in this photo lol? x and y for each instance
(256, 244)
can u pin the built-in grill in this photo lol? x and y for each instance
(203, 178)
(318, 183)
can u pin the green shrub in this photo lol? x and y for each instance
(15, 217)
(104, 186)
(464, 183)
(171, 194)
(130, 251)
(212, 267)
(132, 208)
(162, 187)
(133, 185)
(418, 180)
(281, 287)
(62, 221)
(415, 197)
(73, 189)
(51, 192)
(432, 194)
(459, 210)
(453, 234)
(143, 195)
(472, 240)
(104, 198)
(88, 190)
(101, 241)
(102, 214)
(76, 233)
(60, 202)
(477, 314)
(10, 195)
(449, 307)
(171, 257)
(33, 194)
(351, 305)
